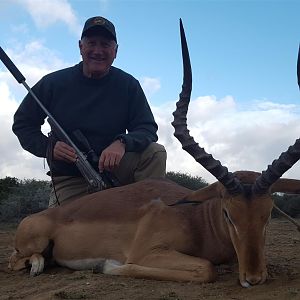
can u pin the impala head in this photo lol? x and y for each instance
(246, 217)
(245, 196)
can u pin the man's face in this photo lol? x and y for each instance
(98, 53)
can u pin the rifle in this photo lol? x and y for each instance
(108, 177)
(88, 172)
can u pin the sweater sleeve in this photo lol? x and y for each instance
(142, 128)
(28, 120)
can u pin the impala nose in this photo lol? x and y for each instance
(249, 280)
(253, 280)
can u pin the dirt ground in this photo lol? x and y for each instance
(283, 253)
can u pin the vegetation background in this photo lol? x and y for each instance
(19, 198)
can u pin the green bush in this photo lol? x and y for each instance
(25, 198)
(6, 184)
(186, 180)
(290, 204)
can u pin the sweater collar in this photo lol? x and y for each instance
(93, 81)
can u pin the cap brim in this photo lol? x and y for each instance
(98, 30)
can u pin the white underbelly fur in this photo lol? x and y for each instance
(88, 263)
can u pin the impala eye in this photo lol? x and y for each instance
(226, 216)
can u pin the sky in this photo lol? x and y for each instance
(245, 100)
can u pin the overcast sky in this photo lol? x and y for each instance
(245, 100)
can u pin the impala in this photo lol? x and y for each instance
(150, 229)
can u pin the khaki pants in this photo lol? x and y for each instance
(134, 166)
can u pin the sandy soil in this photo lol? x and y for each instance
(283, 252)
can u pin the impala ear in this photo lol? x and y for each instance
(284, 185)
(209, 192)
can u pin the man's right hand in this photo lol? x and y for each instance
(63, 151)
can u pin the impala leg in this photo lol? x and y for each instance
(37, 262)
(165, 265)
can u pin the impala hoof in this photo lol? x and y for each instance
(245, 284)
(37, 264)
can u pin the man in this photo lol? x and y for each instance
(106, 104)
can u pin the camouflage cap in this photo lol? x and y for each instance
(96, 24)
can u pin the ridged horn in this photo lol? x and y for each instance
(285, 161)
(278, 167)
(221, 173)
(298, 67)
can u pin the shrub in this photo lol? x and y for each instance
(290, 204)
(6, 184)
(186, 180)
(27, 197)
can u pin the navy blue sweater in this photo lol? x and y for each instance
(103, 109)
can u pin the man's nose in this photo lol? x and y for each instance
(98, 49)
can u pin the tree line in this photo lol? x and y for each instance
(20, 198)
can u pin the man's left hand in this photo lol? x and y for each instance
(111, 156)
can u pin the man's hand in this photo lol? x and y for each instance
(64, 152)
(111, 156)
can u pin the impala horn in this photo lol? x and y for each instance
(285, 161)
(221, 173)
(278, 167)
(298, 67)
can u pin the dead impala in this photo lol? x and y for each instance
(149, 229)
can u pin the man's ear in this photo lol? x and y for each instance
(116, 50)
(80, 45)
